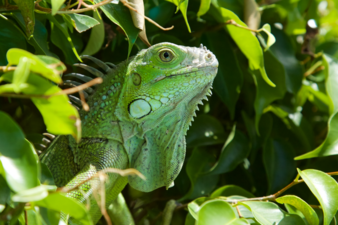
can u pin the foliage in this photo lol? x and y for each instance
(274, 109)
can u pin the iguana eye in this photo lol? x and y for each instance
(166, 55)
(136, 79)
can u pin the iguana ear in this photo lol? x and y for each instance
(161, 156)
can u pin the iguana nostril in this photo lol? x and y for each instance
(209, 56)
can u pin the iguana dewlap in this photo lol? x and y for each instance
(138, 119)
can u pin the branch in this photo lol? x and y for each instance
(271, 197)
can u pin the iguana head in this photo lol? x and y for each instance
(162, 88)
(165, 74)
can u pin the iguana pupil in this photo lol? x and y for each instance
(166, 56)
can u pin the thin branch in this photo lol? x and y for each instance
(81, 87)
(66, 91)
(83, 101)
(5, 68)
(270, 197)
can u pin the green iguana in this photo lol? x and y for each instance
(138, 118)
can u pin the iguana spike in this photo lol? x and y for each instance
(50, 136)
(112, 65)
(90, 69)
(73, 83)
(74, 100)
(192, 119)
(79, 76)
(201, 103)
(205, 98)
(194, 115)
(98, 62)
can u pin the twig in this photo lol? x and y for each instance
(270, 197)
(68, 91)
(147, 18)
(239, 213)
(83, 101)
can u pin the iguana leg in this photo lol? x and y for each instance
(119, 213)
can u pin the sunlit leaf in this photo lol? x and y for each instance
(302, 206)
(56, 4)
(325, 188)
(218, 212)
(21, 73)
(183, 6)
(266, 213)
(37, 65)
(18, 156)
(59, 202)
(244, 39)
(271, 39)
(33, 194)
(204, 7)
(82, 22)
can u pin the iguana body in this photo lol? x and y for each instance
(138, 119)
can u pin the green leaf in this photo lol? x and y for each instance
(330, 144)
(266, 213)
(4, 191)
(11, 37)
(21, 73)
(183, 6)
(27, 11)
(279, 164)
(271, 39)
(244, 39)
(39, 38)
(18, 157)
(120, 15)
(285, 53)
(30, 195)
(218, 212)
(234, 151)
(325, 188)
(229, 79)
(292, 219)
(96, 37)
(61, 25)
(58, 114)
(46, 175)
(189, 220)
(266, 94)
(205, 130)
(204, 7)
(301, 205)
(199, 162)
(195, 206)
(331, 82)
(229, 190)
(37, 65)
(59, 202)
(56, 4)
(82, 22)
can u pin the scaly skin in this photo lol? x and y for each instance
(138, 119)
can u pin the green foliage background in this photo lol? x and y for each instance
(274, 108)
